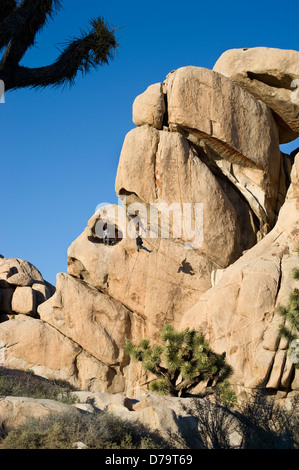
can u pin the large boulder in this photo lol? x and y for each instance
(174, 173)
(270, 75)
(87, 316)
(211, 108)
(31, 344)
(19, 272)
(149, 107)
(23, 300)
(14, 411)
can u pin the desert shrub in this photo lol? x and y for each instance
(27, 385)
(257, 423)
(214, 422)
(225, 394)
(98, 431)
(264, 424)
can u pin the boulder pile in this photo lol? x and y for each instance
(22, 288)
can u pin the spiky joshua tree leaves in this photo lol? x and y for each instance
(20, 21)
(181, 362)
(290, 314)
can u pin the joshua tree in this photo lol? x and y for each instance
(182, 361)
(20, 21)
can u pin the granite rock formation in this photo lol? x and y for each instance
(201, 177)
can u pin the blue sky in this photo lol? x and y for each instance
(60, 148)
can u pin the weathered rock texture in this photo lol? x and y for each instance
(204, 144)
(149, 107)
(272, 76)
(238, 313)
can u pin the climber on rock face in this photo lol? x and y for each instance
(139, 243)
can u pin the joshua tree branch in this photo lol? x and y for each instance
(7, 7)
(18, 30)
(81, 54)
(24, 22)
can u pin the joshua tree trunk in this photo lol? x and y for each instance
(19, 24)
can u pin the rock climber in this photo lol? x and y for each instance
(139, 243)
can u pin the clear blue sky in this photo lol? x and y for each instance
(60, 149)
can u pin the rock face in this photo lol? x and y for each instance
(202, 179)
(217, 123)
(272, 76)
(238, 314)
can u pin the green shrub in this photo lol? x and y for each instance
(227, 396)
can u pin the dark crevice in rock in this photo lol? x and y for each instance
(247, 218)
(268, 374)
(165, 117)
(130, 196)
(294, 153)
(287, 162)
(271, 80)
(110, 376)
(279, 280)
(124, 192)
(221, 148)
(75, 364)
